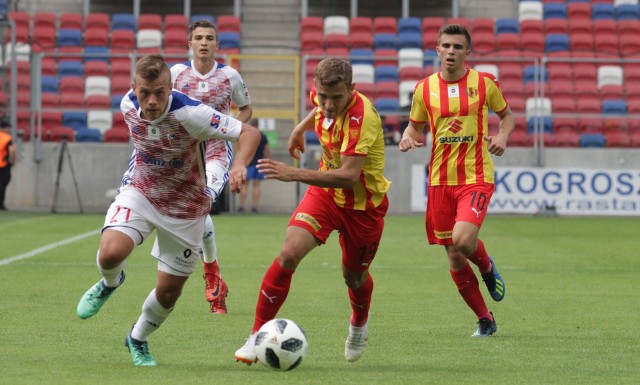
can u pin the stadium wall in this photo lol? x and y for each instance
(99, 167)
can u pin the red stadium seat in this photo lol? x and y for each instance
(555, 26)
(98, 20)
(385, 24)
(559, 71)
(482, 24)
(117, 121)
(176, 23)
(229, 23)
(386, 89)
(174, 38)
(312, 24)
(531, 26)
(604, 26)
(311, 40)
(483, 42)
(71, 20)
(628, 43)
(71, 84)
(629, 26)
(114, 135)
(96, 68)
(72, 100)
(51, 119)
(508, 41)
(361, 40)
(123, 38)
(432, 24)
(57, 134)
(458, 20)
(578, 11)
(96, 37)
(567, 138)
(150, 21)
(581, 41)
(361, 24)
(22, 22)
(336, 40)
(43, 37)
(612, 91)
(532, 41)
(606, 42)
(520, 138)
(385, 57)
(98, 101)
(563, 104)
(617, 139)
(565, 124)
(45, 19)
(562, 87)
(580, 25)
(50, 100)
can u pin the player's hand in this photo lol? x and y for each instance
(497, 144)
(407, 143)
(237, 178)
(272, 169)
(296, 144)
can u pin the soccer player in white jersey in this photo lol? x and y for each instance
(217, 85)
(167, 192)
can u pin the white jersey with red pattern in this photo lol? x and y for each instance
(168, 167)
(217, 88)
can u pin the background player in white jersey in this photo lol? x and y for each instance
(167, 192)
(217, 85)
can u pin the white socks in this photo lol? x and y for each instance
(209, 249)
(153, 315)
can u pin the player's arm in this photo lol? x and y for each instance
(296, 139)
(244, 113)
(411, 136)
(248, 142)
(347, 176)
(498, 143)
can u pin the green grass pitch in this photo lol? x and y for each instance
(570, 315)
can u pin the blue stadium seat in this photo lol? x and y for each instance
(69, 38)
(592, 140)
(614, 107)
(229, 40)
(385, 41)
(387, 106)
(529, 74)
(409, 40)
(410, 24)
(96, 54)
(50, 84)
(627, 12)
(203, 16)
(557, 42)
(361, 56)
(602, 11)
(429, 56)
(4, 8)
(386, 73)
(546, 122)
(88, 135)
(310, 137)
(74, 119)
(123, 21)
(507, 25)
(554, 11)
(115, 101)
(70, 68)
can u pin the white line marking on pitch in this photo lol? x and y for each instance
(48, 247)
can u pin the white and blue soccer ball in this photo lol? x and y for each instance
(281, 344)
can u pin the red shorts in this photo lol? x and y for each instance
(360, 231)
(447, 205)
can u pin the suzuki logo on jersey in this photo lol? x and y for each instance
(215, 121)
(455, 126)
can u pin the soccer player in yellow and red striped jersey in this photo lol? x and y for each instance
(455, 103)
(348, 194)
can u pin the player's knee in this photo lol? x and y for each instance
(289, 259)
(354, 280)
(466, 245)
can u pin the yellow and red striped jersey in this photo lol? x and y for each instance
(457, 113)
(355, 132)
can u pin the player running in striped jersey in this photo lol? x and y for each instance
(455, 104)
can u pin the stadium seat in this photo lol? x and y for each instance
(336, 40)
(406, 93)
(580, 25)
(71, 20)
(555, 26)
(201, 16)
(617, 139)
(125, 21)
(386, 73)
(310, 41)
(385, 41)
(51, 119)
(387, 106)
(150, 38)
(69, 37)
(614, 107)
(612, 91)
(97, 85)
(563, 104)
(385, 24)
(579, 10)
(628, 43)
(361, 24)
(312, 24)
(410, 24)
(609, 74)
(590, 140)
(411, 73)
(174, 39)
(120, 85)
(606, 43)
(627, 12)
(50, 84)
(96, 54)
(97, 101)
(510, 71)
(531, 73)
(360, 56)
(530, 10)
(115, 100)
(560, 83)
(360, 40)
(96, 36)
(44, 38)
(569, 124)
(566, 138)
(484, 42)
(74, 119)
(116, 136)
(229, 40)
(409, 40)
(386, 89)
(482, 24)
(431, 24)
(507, 25)
(70, 68)
(88, 135)
(58, 134)
(555, 11)
(520, 138)
(489, 68)
(385, 57)
(581, 41)
(588, 105)
(363, 73)
(229, 23)
(336, 24)
(150, 21)
(99, 119)
(410, 57)
(602, 11)
(366, 89)
(98, 20)
(537, 107)
(508, 41)
(124, 39)
(557, 42)
(22, 22)
(429, 41)
(45, 20)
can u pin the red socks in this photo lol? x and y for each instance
(481, 259)
(360, 302)
(468, 287)
(273, 292)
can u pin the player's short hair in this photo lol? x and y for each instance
(455, 29)
(202, 23)
(332, 71)
(151, 67)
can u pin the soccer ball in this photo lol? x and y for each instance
(281, 344)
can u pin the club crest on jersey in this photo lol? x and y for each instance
(472, 92)
(215, 121)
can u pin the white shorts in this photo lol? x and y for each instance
(179, 241)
